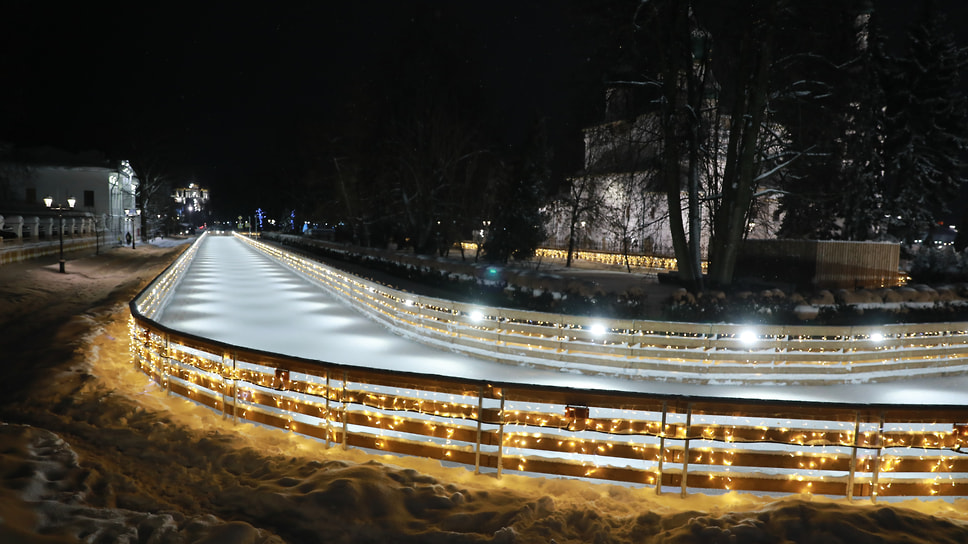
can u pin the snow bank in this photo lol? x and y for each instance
(170, 242)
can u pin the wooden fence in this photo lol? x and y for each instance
(688, 352)
(821, 263)
(673, 443)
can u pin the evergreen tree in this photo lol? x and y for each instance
(861, 205)
(926, 128)
(823, 101)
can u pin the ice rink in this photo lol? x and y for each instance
(235, 294)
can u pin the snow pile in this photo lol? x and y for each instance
(91, 450)
(45, 490)
(170, 242)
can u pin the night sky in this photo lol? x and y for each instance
(227, 89)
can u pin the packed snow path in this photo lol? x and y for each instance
(235, 294)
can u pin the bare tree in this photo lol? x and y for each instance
(749, 77)
(156, 176)
(668, 38)
(433, 158)
(582, 203)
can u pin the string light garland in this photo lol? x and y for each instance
(642, 439)
(676, 351)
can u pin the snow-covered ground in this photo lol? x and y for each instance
(92, 451)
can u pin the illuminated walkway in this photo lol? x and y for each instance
(235, 294)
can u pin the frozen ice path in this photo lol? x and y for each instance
(234, 294)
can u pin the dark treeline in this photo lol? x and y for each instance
(798, 111)
(425, 154)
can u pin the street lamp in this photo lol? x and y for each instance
(49, 201)
(131, 215)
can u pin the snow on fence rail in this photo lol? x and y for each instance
(673, 443)
(656, 350)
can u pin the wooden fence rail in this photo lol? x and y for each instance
(672, 443)
(658, 350)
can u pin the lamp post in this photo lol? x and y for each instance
(59, 208)
(131, 215)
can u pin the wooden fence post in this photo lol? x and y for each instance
(480, 416)
(344, 417)
(685, 452)
(853, 458)
(328, 429)
(877, 459)
(658, 477)
(166, 366)
(235, 388)
(223, 365)
(500, 438)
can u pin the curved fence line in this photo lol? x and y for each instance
(673, 443)
(655, 350)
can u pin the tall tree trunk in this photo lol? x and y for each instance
(748, 111)
(696, 87)
(571, 240)
(695, 219)
(677, 61)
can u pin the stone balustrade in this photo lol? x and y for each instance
(30, 236)
(47, 226)
(32, 227)
(14, 224)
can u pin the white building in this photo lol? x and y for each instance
(620, 181)
(104, 194)
(190, 204)
(190, 199)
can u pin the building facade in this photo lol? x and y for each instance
(105, 194)
(617, 203)
(191, 204)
